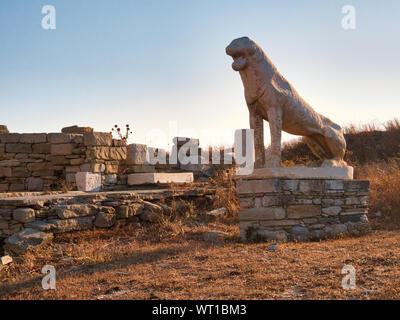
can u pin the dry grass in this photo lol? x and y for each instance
(153, 262)
(384, 196)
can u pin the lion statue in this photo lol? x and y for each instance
(269, 96)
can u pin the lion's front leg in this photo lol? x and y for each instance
(256, 123)
(275, 126)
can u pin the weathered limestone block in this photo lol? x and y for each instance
(28, 238)
(270, 213)
(153, 178)
(33, 138)
(303, 211)
(332, 211)
(10, 137)
(137, 154)
(68, 225)
(41, 148)
(5, 172)
(59, 138)
(127, 211)
(61, 149)
(76, 129)
(18, 148)
(34, 184)
(105, 220)
(246, 202)
(24, 215)
(336, 229)
(88, 182)
(97, 139)
(75, 210)
(257, 186)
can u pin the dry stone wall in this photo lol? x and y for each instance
(45, 161)
(301, 209)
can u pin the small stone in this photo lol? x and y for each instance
(273, 247)
(378, 214)
(216, 214)
(6, 260)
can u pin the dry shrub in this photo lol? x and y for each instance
(225, 191)
(384, 196)
(365, 144)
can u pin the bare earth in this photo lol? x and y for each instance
(173, 261)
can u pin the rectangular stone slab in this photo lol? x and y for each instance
(88, 182)
(301, 173)
(152, 178)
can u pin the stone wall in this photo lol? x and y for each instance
(33, 219)
(45, 161)
(300, 209)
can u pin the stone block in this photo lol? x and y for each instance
(257, 186)
(110, 179)
(311, 186)
(105, 220)
(97, 139)
(5, 172)
(24, 215)
(137, 154)
(18, 148)
(259, 214)
(41, 148)
(303, 211)
(59, 138)
(76, 130)
(88, 182)
(62, 149)
(246, 202)
(127, 211)
(152, 178)
(334, 185)
(332, 211)
(75, 210)
(34, 184)
(33, 138)
(10, 137)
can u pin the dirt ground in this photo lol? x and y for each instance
(173, 261)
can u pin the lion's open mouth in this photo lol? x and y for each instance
(239, 63)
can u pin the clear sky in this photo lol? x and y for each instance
(151, 62)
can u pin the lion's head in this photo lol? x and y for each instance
(240, 49)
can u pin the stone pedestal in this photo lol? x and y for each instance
(284, 209)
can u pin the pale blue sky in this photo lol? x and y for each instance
(150, 62)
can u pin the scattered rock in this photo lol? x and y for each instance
(273, 247)
(105, 220)
(216, 214)
(215, 236)
(6, 260)
(151, 212)
(28, 238)
(378, 214)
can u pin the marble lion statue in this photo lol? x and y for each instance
(269, 96)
